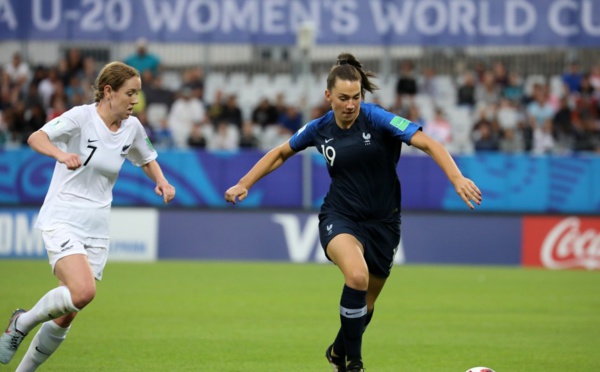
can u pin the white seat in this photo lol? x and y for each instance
(156, 112)
(171, 80)
(531, 80)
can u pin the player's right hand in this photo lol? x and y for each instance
(72, 161)
(236, 193)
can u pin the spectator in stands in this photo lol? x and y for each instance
(18, 72)
(154, 91)
(36, 119)
(248, 138)
(264, 114)
(225, 138)
(407, 80)
(163, 136)
(216, 107)
(587, 138)
(511, 141)
(562, 123)
(466, 91)
(75, 92)
(540, 114)
(414, 115)
(8, 95)
(428, 84)
(487, 93)
(142, 60)
(88, 76)
(231, 112)
(196, 138)
(595, 78)
(400, 106)
(501, 75)
(186, 111)
(280, 104)
(514, 90)
(16, 122)
(48, 85)
(507, 115)
(143, 118)
(438, 128)
(74, 63)
(572, 76)
(586, 89)
(32, 96)
(4, 135)
(193, 78)
(58, 106)
(484, 137)
(289, 121)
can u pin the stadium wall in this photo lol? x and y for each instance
(148, 234)
(510, 183)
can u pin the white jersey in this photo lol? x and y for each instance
(81, 199)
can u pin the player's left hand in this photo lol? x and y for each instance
(165, 190)
(468, 191)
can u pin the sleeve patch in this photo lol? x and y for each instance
(56, 124)
(400, 123)
(150, 144)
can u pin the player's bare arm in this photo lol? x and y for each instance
(163, 188)
(465, 188)
(40, 143)
(267, 164)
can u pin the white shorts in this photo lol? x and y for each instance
(63, 242)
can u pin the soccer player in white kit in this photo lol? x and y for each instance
(90, 144)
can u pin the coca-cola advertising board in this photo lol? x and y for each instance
(561, 242)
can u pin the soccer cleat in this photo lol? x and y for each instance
(355, 366)
(11, 338)
(337, 363)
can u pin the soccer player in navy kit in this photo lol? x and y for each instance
(359, 221)
(90, 144)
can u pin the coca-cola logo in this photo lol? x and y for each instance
(567, 246)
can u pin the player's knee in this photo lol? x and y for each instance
(358, 279)
(83, 296)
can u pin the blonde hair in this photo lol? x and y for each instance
(113, 74)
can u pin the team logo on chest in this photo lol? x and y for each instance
(124, 150)
(367, 138)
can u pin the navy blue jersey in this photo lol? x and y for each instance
(361, 160)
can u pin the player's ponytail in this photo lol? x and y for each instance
(349, 68)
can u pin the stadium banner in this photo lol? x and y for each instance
(134, 234)
(561, 242)
(445, 23)
(294, 236)
(510, 183)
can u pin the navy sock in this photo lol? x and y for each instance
(353, 316)
(338, 345)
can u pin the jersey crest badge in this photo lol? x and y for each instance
(367, 138)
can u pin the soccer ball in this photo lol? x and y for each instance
(480, 369)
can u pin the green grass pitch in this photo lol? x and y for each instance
(228, 316)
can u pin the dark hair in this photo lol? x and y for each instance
(114, 74)
(349, 68)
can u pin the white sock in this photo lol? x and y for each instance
(45, 342)
(54, 304)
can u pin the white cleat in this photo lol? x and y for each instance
(11, 338)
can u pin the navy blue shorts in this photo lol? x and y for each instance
(380, 238)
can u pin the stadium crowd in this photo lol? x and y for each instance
(494, 109)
